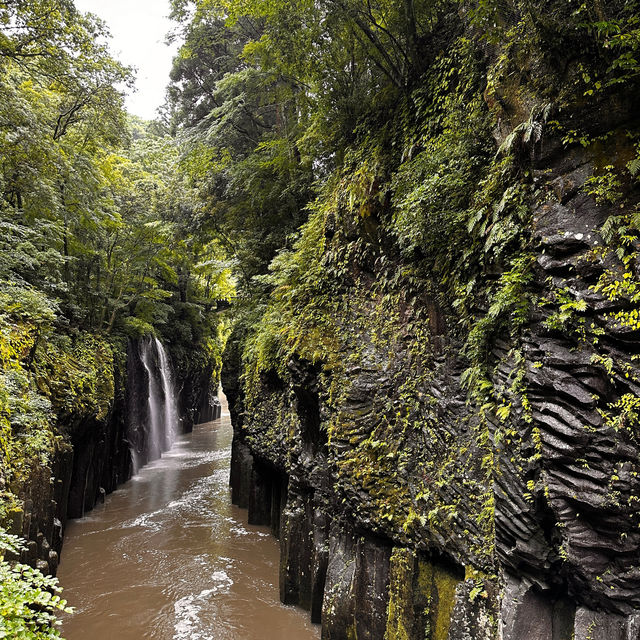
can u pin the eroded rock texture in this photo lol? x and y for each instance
(580, 525)
(407, 510)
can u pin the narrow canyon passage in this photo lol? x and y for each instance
(168, 557)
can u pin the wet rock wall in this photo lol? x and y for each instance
(356, 584)
(360, 578)
(91, 459)
(411, 513)
(94, 456)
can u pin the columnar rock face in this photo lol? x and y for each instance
(408, 508)
(579, 525)
(562, 561)
(348, 571)
(90, 460)
(198, 399)
(101, 457)
(95, 456)
(561, 558)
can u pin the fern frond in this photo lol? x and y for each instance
(634, 166)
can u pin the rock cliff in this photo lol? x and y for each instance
(91, 451)
(447, 440)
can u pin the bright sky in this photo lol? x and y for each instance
(139, 29)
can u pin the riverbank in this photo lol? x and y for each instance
(168, 556)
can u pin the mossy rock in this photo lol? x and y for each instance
(422, 595)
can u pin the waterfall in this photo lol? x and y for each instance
(163, 421)
(156, 418)
(171, 418)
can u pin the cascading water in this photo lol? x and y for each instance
(156, 418)
(171, 418)
(163, 411)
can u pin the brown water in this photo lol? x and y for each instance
(167, 557)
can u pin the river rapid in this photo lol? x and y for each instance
(168, 557)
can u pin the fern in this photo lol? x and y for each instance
(634, 165)
(528, 133)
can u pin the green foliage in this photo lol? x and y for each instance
(281, 330)
(617, 30)
(619, 282)
(102, 236)
(605, 187)
(339, 158)
(433, 190)
(567, 315)
(99, 225)
(624, 414)
(508, 313)
(29, 601)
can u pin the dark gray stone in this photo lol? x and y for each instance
(525, 613)
(595, 625)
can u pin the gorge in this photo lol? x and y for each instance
(168, 557)
(402, 237)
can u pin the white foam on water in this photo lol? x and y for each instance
(188, 625)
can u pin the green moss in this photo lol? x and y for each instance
(76, 373)
(400, 608)
(407, 251)
(445, 584)
(45, 378)
(416, 583)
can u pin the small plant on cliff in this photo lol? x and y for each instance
(605, 187)
(29, 600)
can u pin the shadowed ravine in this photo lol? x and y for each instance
(168, 557)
